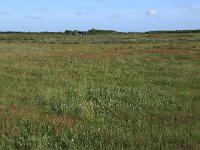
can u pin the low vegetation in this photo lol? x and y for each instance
(100, 91)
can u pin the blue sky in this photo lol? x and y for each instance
(126, 15)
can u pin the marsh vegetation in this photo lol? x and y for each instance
(115, 91)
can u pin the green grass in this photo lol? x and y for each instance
(100, 92)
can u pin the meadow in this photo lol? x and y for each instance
(115, 91)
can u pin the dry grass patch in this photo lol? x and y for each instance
(15, 112)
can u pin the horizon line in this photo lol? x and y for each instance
(175, 30)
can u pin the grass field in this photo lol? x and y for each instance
(118, 91)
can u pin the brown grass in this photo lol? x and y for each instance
(16, 112)
(165, 51)
(181, 117)
(105, 54)
(110, 54)
(1, 111)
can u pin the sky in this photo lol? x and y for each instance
(120, 15)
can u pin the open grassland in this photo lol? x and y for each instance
(120, 91)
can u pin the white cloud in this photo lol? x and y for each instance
(153, 13)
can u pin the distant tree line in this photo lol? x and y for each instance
(92, 31)
(75, 32)
(175, 31)
(97, 31)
